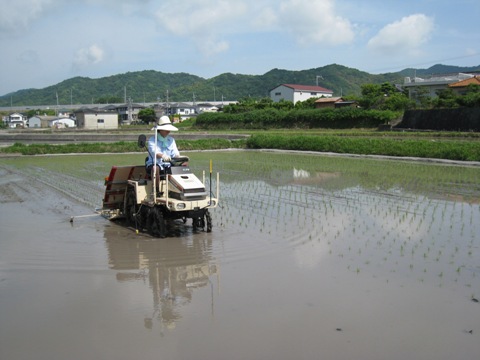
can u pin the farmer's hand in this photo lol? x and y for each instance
(166, 158)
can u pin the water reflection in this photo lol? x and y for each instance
(173, 268)
(422, 228)
(299, 176)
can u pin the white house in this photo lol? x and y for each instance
(295, 93)
(34, 122)
(62, 123)
(41, 121)
(430, 86)
(206, 107)
(96, 119)
(181, 110)
(63, 113)
(16, 120)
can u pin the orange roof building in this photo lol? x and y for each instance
(460, 87)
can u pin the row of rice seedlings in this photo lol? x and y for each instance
(385, 225)
(378, 221)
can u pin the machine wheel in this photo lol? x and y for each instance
(208, 218)
(130, 207)
(198, 223)
(155, 223)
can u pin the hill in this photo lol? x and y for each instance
(152, 86)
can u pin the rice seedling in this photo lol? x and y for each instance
(362, 211)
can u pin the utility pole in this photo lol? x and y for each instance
(129, 111)
(319, 77)
(168, 106)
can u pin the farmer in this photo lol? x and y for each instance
(165, 149)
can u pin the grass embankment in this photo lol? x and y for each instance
(463, 150)
(116, 147)
(451, 146)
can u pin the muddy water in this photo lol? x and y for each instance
(310, 257)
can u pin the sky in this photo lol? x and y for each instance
(44, 42)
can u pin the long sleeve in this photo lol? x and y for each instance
(166, 146)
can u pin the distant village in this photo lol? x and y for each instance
(114, 115)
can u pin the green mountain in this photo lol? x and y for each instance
(439, 69)
(152, 86)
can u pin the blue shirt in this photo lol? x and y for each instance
(164, 145)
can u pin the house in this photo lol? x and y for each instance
(62, 123)
(93, 119)
(16, 120)
(34, 122)
(45, 121)
(40, 121)
(181, 110)
(334, 102)
(63, 113)
(295, 93)
(206, 107)
(460, 87)
(128, 113)
(327, 102)
(432, 85)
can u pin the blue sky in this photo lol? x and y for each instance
(44, 42)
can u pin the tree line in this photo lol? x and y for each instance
(375, 97)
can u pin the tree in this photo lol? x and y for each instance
(422, 96)
(471, 97)
(147, 115)
(283, 105)
(108, 100)
(397, 102)
(32, 112)
(306, 104)
(263, 103)
(371, 96)
(446, 99)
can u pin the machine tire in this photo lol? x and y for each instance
(156, 223)
(198, 223)
(130, 207)
(208, 219)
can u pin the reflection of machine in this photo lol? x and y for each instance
(173, 269)
(133, 195)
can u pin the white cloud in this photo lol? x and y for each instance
(264, 18)
(16, 15)
(84, 57)
(208, 23)
(213, 46)
(471, 51)
(28, 57)
(209, 37)
(404, 36)
(315, 22)
(205, 22)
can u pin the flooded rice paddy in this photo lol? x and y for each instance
(310, 257)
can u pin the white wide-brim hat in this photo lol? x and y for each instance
(165, 124)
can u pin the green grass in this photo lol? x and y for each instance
(437, 145)
(116, 147)
(462, 150)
